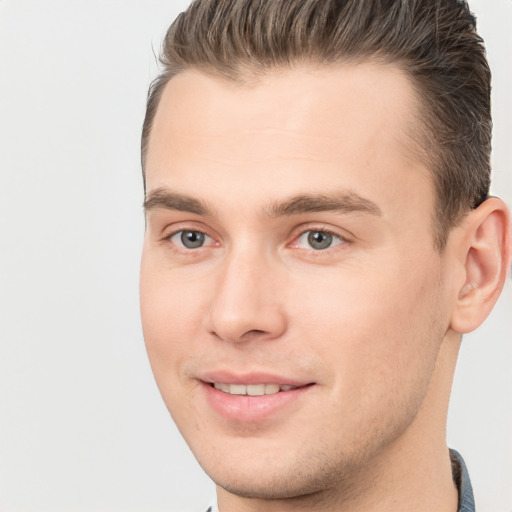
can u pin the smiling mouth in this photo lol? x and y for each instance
(253, 389)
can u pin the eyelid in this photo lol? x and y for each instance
(180, 227)
(335, 241)
(298, 232)
(177, 227)
(207, 239)
(303, 229)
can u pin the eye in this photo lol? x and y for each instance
(189, 239)
(318, 240)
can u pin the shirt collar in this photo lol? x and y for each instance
(463, 483)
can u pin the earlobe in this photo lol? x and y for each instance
(486, 252)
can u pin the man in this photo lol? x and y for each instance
(319, 236)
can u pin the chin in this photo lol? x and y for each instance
(272, 487)
(273, 475)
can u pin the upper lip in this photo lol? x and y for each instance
(257, 377)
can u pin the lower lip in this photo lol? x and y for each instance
(250, 409)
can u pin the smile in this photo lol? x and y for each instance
(253, 398)
(252, 389)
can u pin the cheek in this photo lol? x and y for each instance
(171, 320)
(379, 342)
(171, 314)
(375, 325)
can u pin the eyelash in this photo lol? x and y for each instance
(342, 240)
(182, 231)
(316, 229)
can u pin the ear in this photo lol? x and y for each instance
(484, 253)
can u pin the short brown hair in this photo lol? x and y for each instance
(434, 41)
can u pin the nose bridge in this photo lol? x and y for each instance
(245, 302)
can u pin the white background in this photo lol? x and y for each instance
(82, 426)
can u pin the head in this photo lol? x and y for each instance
(315, 176)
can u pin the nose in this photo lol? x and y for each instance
(245, 303)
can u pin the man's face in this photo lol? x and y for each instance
(289, 243)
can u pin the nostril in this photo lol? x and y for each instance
(254, 332)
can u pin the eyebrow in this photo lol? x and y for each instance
(340, 202)
(162, 198)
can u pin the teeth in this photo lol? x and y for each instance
(251, 389)
(237, 389)
(222, 387)
(270, 389)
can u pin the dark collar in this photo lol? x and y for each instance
(461, 479)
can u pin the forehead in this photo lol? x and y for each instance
(324, 126)
(378, 95)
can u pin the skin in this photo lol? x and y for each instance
(372, 322)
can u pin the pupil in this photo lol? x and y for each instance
(319, 240)
(192, 239)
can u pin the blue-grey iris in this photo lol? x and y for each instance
(192, 239)
(319, 240)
